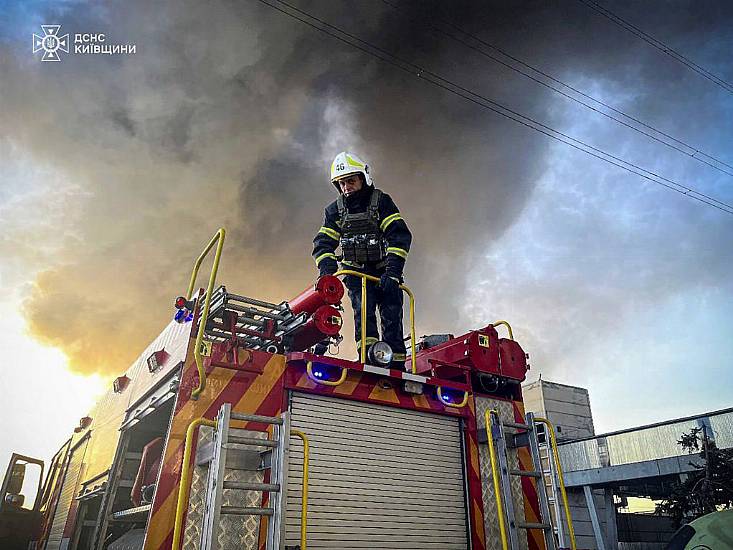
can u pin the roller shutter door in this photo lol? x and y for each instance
(380, 477)
(68, 492)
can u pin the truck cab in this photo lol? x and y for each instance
(20, 502)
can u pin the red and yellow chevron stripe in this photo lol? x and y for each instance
(248, 392)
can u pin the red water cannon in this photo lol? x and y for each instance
(324, 323)
(319, 303)
(327, 291)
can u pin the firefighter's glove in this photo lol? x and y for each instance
(390, 285)
(327, 267)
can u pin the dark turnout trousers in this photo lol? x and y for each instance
(390, 315)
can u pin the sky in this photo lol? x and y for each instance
(116, 169)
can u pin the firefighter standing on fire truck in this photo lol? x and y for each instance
(374, 240)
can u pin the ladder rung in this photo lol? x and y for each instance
(526, 473)
(271, 487)
(241, 440)
(516, 425)
(525, 525)
(245, 511)
(257, 418)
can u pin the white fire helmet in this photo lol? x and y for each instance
(346, 164)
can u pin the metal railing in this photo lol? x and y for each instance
(644, 443)
(364, 278)
(508, 327)
(218, 240)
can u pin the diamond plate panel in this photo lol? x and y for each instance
(235, 532)
(132, 540)
(491, 517)
(241, 532)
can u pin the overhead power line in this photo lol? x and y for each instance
(445, 84)
(661, 46)
(675, 144)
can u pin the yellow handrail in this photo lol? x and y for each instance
(495, 477)
(448, 404)
(218, 240)
(304, 499)
(556, 455)
(364, 278)
(507, 325)
(185, 482)
(309, 370)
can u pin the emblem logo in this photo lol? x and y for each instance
(51, 43)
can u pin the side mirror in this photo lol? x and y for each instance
(16, 501)
(16, 478)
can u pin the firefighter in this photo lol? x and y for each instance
(374, 240)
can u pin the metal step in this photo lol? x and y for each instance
(245, 486)
(257, 418)
(239, 457)
(526, 473)
(517, 426)
(526, 525)
(251, 441)
(246, 511)
(137, 511)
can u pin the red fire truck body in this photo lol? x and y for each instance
(395, 459)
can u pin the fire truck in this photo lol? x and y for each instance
(230, 431)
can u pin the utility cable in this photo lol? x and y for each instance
(456, 89)
(682, 147)
(661, 46)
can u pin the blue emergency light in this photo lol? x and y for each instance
(183, 316)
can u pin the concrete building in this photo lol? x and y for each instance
(567, 407)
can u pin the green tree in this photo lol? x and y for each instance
(706, 489)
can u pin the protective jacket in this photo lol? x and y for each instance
(373, 236)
